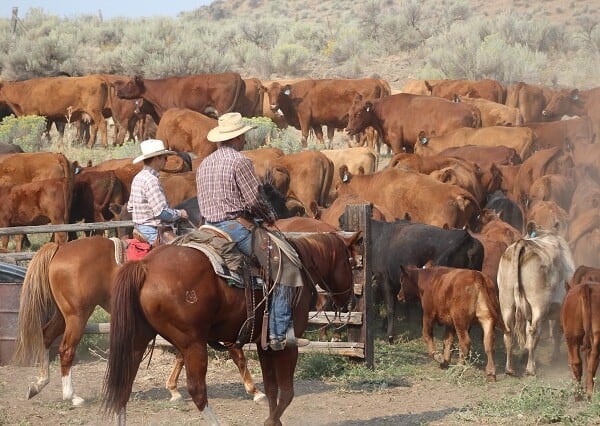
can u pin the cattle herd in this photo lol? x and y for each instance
(488, 211)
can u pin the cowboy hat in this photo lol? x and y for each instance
(152, 148)
(230, 125)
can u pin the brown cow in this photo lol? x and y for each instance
(568, 135)
(251, 103)
(485, 155)
(530, 100)
(182, 129)
(451, 170)
(179, 187)
(552, 187)
(400, 118)
(494, 113)
(311, 174)
(29, 167)
(210, 94)
(575, 102)
(60, 99)
(418, 87)
(457, 299)
(547, 215)
(331, 215)
(584, 274)
(584, 238)
(580, 319)
(36, 203)
(93, 193)
(434, 202)
(356, 159)
(488, 89)
(546, 161)
(311, 104)
(519, 138)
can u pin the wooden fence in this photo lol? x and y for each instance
(358, 323)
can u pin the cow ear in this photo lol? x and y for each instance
(287, 90)
(446, 175)
(456, 98)
(345, 174)
(575, 95)
(423, 139)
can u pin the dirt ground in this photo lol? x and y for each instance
(422, 400)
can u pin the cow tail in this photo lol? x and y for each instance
(520, 301)
(493, 303)
(586, 313)
(327, 180)
(240, 90)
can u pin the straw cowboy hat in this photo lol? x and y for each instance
(230, 126)
(152, 148)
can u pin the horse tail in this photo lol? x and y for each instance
(520, 300)
(126, 314)
(586, 316)
(36, 306)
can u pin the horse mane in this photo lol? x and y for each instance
(275, 199)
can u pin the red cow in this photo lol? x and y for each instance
(400, 118)
(60, 99)
(186, 130)
(484, 89)
(455, 298)
(310, 104)
(580, 319)
(530, 99)
(575, 102)
(211, 94)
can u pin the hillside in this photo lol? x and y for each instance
(549, 42)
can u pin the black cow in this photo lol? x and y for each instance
(507, 209)
(407, 243)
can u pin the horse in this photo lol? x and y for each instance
(61, 289)
(175, 292)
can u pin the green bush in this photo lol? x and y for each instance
(24, 131)
(290, 59)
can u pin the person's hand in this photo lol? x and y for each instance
(183, 214)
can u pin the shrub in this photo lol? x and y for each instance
(290, 59)
(24, 131)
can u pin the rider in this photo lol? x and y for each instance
(147, 203)
(229, 199)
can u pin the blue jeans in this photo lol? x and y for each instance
(238, 233)
(280, 315)
(149, 232)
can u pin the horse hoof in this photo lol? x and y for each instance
(176, 399)
(491, 377)
(77, 401)
(530, 373)
(510, 373)
(260, 398)
(32, 391)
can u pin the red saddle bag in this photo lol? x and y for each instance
(136, 249)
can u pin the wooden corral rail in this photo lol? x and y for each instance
(358, 323)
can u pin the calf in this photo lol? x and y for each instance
(455, 298)
(580, 319)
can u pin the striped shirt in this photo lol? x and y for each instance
(227, 186)
(147, 199)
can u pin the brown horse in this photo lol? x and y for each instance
(175, 292)
(62, 287)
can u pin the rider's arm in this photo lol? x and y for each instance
(159, 204)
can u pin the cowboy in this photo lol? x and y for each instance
(147, 203)
(229, 198)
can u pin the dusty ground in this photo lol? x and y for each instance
(426, 399)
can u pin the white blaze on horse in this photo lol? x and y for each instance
(532, 278)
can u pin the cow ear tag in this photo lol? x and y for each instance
(532, 234)
(368, 108)
(345, 178)
(424, 140)
(287, 92)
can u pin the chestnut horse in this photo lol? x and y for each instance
(175, 292)
(75, 278)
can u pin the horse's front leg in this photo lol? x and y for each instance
(278, 377)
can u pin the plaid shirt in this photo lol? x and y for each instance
(147, 199)
(227, 186)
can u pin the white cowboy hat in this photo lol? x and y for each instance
(152, 148)
(230, 126)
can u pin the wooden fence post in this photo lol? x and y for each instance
(357, 217)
